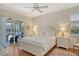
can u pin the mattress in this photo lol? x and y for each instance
(42, 41)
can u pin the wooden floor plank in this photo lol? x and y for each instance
(14, 51)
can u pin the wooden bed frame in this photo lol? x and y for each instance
(34, 49)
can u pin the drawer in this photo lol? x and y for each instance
(63, 42)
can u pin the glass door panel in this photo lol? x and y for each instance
(10, 31)
(18, 30)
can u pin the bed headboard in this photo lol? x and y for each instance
(47, 30)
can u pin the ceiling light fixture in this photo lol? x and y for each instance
(37, 7)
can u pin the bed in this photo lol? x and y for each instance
(37, 45)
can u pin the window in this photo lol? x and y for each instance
(75, 23)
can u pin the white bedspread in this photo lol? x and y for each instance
(42, 41)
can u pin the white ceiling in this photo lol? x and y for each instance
(52, 7)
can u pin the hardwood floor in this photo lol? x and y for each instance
(14, 51)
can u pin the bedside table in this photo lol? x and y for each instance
(63, 42)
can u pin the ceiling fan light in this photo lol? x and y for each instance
(37, 7)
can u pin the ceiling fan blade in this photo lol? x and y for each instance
(28, 7)
(43, 7)
(33, 10)
(39, 10)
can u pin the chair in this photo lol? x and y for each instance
(3, 51)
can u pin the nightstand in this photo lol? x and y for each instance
(63, 42)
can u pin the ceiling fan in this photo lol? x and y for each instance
(37, 7)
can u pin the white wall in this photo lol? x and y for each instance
(55, 19)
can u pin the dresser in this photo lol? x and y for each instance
(63, 42)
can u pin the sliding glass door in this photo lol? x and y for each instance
(19, 30)
(14, 30)
(10, 31)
